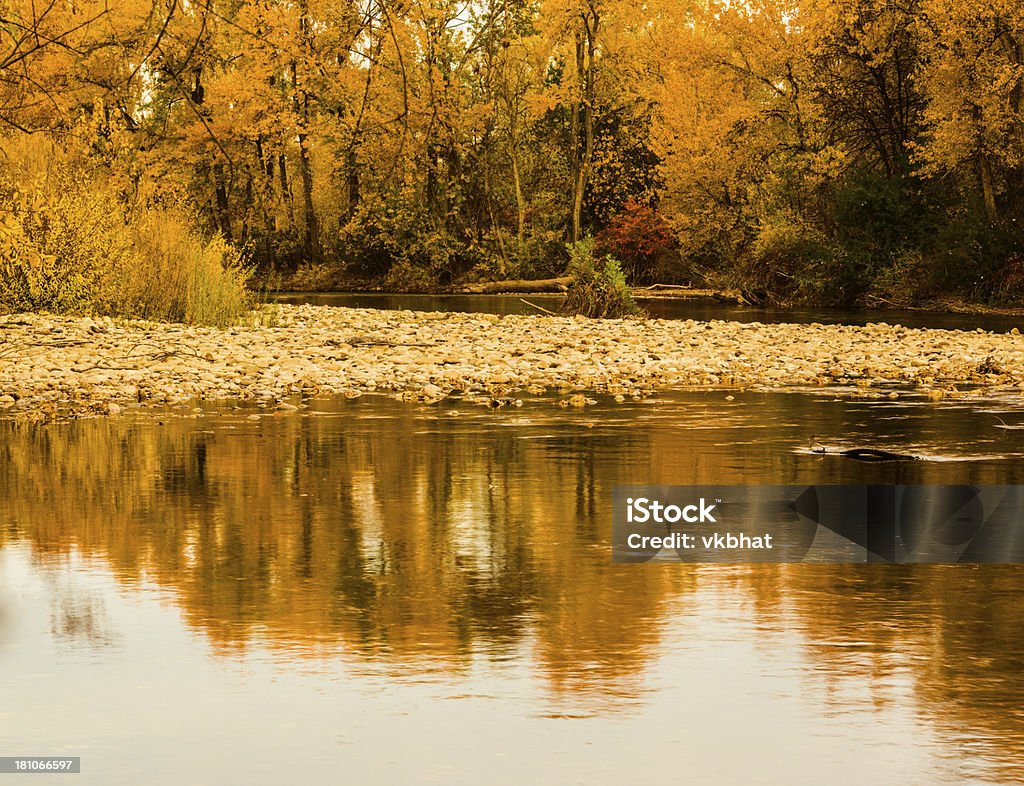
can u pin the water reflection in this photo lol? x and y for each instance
(428, 543)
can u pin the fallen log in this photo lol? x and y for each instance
(860, 454)
(684, 292)
(518, 286)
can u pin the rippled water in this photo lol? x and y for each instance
(392, 593)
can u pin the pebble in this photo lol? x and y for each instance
(427, 356)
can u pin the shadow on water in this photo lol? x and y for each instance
(423, 541)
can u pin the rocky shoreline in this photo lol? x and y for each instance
(53, 366)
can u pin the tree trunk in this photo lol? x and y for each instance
(311, 236)
(574, 143)
(223, 208)
(540, 285)
(987, 187)
(520, 201)
(495, 226)
(352, 180)
(286, 191)
(266, 164)
(248, 207)
(585, 45)
(311, 241)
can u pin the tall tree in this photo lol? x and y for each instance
(974, 84)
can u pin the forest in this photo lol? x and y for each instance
(835, 152)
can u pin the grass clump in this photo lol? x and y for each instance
(70, 244)
(184, 276)
(598, 287)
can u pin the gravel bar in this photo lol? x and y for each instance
(84, 365)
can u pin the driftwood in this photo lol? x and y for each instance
(682, 291)
(540, 285)
(868, 454)
(539, 308)
(741, 297)
(861, 454)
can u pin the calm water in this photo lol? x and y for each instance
(662, 308)
(374, 591)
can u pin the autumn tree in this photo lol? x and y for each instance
(974, 85)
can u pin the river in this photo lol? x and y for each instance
(398, 593)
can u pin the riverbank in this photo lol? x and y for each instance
(52, 366)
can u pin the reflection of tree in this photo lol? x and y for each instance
(955, 630)
(432, 542)
(371, 540)
(80, 616)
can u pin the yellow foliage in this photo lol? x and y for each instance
(185, 277)
(68, 244)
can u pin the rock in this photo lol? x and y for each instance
(284, 406)
(426, 356)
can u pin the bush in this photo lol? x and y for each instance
(401, 246)
(68, 244)
(639, 237)
(540, 254)
(909, 280)
(792, 262)
(965, 258)
(62, 244)
(879, 217)
(183, 276)
(598, 287)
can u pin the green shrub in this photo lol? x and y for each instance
(598, 287)
(401, 246)
(540, 254)
(792, 262)
(908, 280)
(66, 244)
(879, 217)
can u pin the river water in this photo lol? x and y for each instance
(375, 591)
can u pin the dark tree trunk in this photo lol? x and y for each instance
(223, 208)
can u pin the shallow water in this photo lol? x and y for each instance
(402, 594)
(661, 308)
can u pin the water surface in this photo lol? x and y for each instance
(424, 594)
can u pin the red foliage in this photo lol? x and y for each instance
(638, 237)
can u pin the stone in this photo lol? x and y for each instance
(429, 355)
